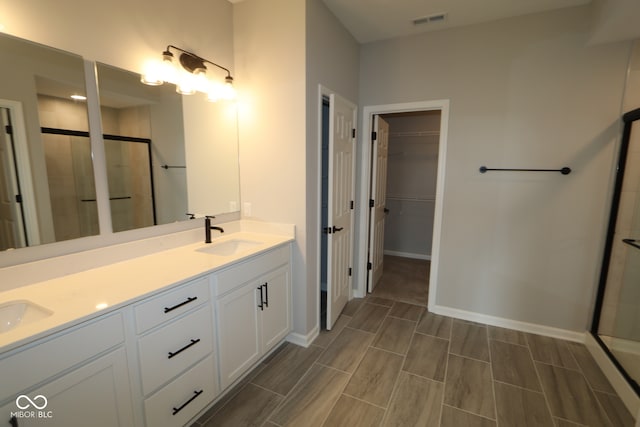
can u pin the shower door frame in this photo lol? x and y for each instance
(628, 119)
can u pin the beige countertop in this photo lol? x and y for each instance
(78, 297)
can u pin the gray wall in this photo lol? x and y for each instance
(524, 92)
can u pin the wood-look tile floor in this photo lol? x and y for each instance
(390, 363)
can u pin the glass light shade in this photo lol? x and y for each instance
(168, 71)
(228, 91)
(200, 81)
(152, 76)
(186, 84)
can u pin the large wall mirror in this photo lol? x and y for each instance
(166, 154)
(45, 165)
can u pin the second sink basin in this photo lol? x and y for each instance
(16, 313)
(229, 247)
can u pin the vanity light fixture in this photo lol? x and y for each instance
(190, 77)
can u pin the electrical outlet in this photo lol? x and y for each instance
(247, 209)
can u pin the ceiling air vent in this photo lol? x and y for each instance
(437, 17)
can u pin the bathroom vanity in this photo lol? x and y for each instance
(150, 341)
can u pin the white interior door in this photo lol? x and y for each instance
(11, 226)
(380, 156)
(342, 124)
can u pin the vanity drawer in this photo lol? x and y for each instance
(171, 304)
(175, 347)
(50, 356)
(182, 399)
(241, 273)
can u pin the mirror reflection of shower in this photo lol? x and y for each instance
(12, 229)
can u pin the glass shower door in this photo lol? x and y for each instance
(617, 318)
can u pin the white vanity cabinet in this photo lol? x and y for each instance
(76, 377)
(175, 346)
(253, 310)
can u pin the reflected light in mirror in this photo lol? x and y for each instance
(78, 97)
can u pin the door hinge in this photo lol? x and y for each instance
(349, 271)
(372, 203)
(18, 198)
(8, 129)
(351, 205)
(327, 230)
(374, 135)
(369, 266)
(353, 133)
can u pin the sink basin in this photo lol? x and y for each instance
(229, 247)
(16, 313)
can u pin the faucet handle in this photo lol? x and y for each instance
(209, 216)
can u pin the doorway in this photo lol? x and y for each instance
(417, 202)
(401, 221)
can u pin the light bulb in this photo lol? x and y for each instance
(186, 84)
(153, 74)
(228, 91)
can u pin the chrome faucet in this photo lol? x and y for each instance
(208, 227)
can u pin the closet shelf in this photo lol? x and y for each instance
(412, 199)
(415, 133)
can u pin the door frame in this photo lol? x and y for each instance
(363, 188)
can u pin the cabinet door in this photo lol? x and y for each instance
(276, 315)
(96, 394)
(237, 315)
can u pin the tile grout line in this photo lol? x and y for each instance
(446, 372)
(493, 381)
(394, 390)
(544, 393)
(591, 388)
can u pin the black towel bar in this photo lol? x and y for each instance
(564, 171)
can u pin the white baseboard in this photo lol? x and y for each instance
(508, 323)
(619, 384)
(408, 255)
(304, 340)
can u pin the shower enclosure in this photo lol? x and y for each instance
(616, 322)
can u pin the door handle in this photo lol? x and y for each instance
(337, 228)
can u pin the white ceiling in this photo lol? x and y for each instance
(371, 20)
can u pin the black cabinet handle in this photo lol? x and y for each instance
(337, 228)
(261, 305)
(187, 301)
(195, 394)
(192, 343)
(266, 294)
(13, 421)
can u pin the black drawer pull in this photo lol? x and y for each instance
(261, 305)
(266, 294)
(193, 342)
(188, 300)
(13, 421)
(195, 394)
